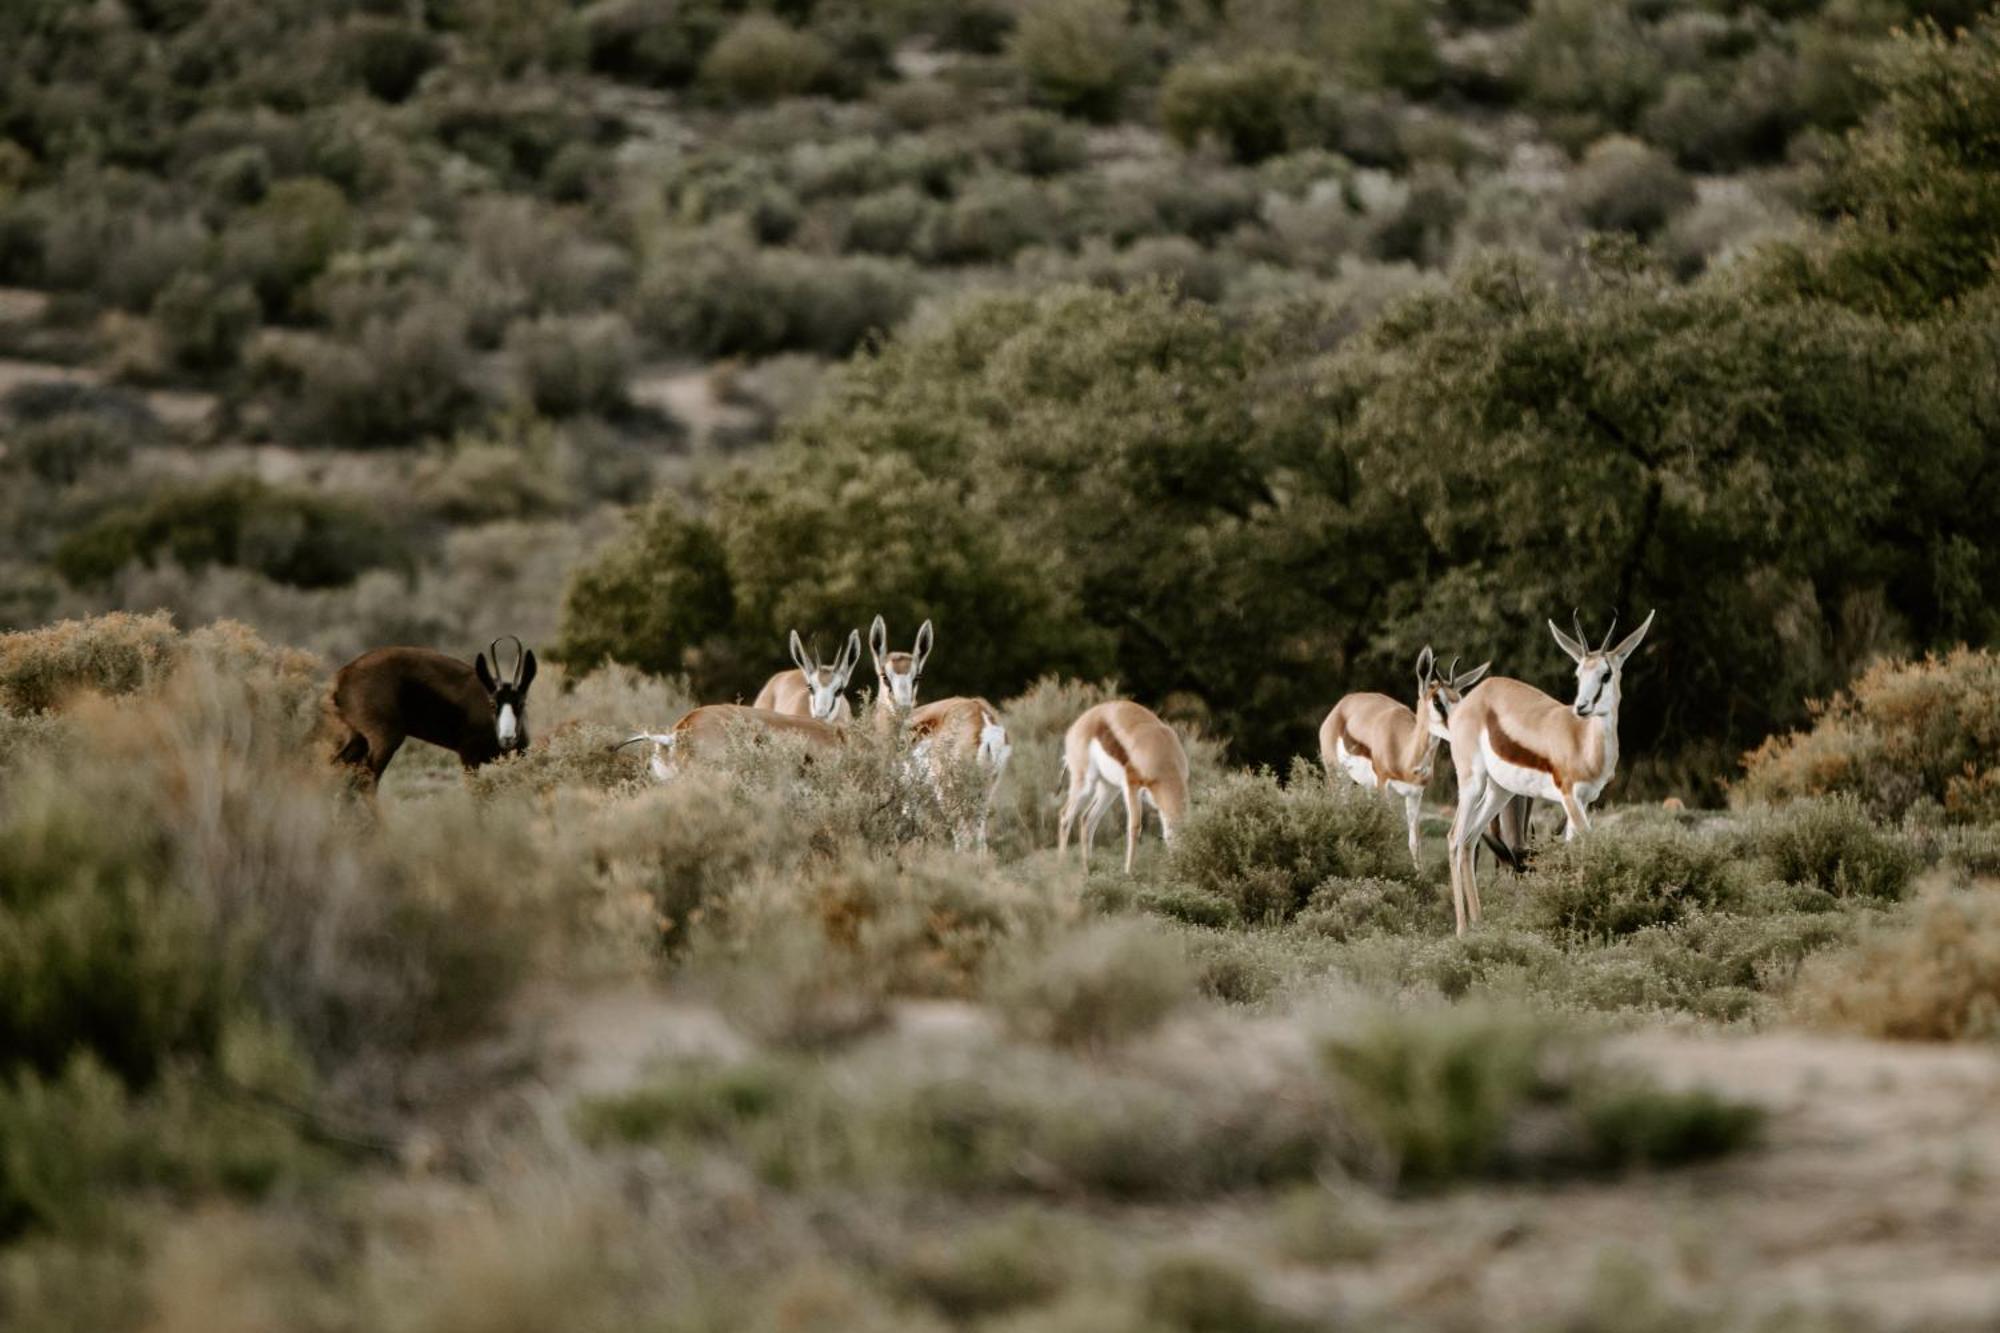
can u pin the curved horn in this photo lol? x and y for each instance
(520, 656)
(1576, 623)
(1452, 671)
(1608, 633)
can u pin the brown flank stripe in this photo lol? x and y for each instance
(1511, 750)
(1112, 747)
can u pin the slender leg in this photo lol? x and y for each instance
(1471, 795)
(1579, 818)
(1135, 814)
(1077, 783)
(1100, 801)
(1413, 809)
(1491, 802)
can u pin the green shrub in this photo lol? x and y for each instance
(567, 366)
(1630, 1122)
(992, 218)
(294, 537)
(1586, 61)
(1257, 106)
(204, 325)
(1612, 882)
(652, 41)
(286, 241)
(1200, 1293)
(405, 378)
(1265, 848)
(1901, 732)
(386, 57)
(888, 222)
(763, 59)
(1833, 845)
(1098, 986)
(1024, 1258)
(1079, 56)
(61, 450)
(655, 598)
(1346, 909)
(725, 298)
(1622, 185)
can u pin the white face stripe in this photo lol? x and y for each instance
(508, 726)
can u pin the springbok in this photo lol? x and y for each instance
(815, 689)
(1122, 748)
(1384, 745)
(944, 733)
(711, 725)
(1510, 739)
(384, 697)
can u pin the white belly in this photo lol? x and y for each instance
(1517, 779)
(1106, 769)
(1361, 770)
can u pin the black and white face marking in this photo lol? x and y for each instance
(1596, 686)
(510, 698)
(897, 673)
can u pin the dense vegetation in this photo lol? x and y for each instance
(252, 1007)
(1248, 345)
(1227, 349)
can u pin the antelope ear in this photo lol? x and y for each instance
(1575, 650)
(485, 674)
(878, 641)
(923, 647)
(850, 655)
(1425, 660)
(799, 654)
(1472, 677)
(1626, 649)
(527, 669)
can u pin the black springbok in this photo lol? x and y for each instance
(385, 697)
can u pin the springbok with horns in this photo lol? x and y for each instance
(387, 696)
(1509, 739)
(815, 689)
(942, 734)
(712, 725)
(1384, 745)
(1122, 748)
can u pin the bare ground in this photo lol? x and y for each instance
(1875, 1194)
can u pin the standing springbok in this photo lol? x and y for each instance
(816, 689)
(712, 725)
(1384, 745)
(384, 697)
(943, 733)
(1509, 739)
(1122, 748)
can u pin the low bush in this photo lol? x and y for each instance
(568, 366)
(1831, 844)
(1024, 1258)
(1622, 185)
(1097, 986)
(61, 450)
(1345, 909)
(299, 538)
(1257, 106)
(405, 378)
(725, 298)
(204, 324)
(1901, 732)
(1613, 882)
(111, 654)
(1264, 848)
(1079, 56)
(762, 59)
(1446, 1094)
(1935, 977)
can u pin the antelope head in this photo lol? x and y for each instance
(1438, 694)
(509, 696)
(1600, 669)
(827, 681)
(896, 673)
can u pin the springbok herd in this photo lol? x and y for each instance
(1511, 744)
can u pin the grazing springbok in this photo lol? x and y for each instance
(385, 697)
(707, 727)
(816, 689)
(943, 733)
(1509, 739)
(1384, 745)
(1122, 748)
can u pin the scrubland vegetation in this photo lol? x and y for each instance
(1227, 351)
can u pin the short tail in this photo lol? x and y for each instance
(994, 751)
